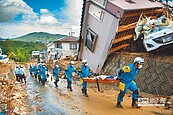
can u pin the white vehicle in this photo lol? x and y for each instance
(4, 59)
(157, 39)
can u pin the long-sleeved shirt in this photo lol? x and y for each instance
(128, 73)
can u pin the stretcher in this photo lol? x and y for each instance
(99, 80)
(102, 79)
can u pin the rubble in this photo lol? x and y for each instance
(169, 102)
(12, 93)
(63, 63)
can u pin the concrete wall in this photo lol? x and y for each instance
(155, 77)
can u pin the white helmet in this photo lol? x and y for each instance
(72, 62)
(138, 60)
(57, 65)
(84, 61)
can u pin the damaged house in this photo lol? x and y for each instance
(109, 27)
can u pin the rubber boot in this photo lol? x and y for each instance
(85, 92)
(134, 104)
(82, 90)
(71, 89)
(119, 105)
(56, 83)
(68, 86)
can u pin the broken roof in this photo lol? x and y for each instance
(135, 4)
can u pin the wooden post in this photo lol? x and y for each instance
(98, 84)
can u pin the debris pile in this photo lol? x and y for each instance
(12, 93)
(63, 63)
(169, 102)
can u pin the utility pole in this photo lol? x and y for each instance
(71, 32)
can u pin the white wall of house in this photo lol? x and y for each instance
(66, 51)
(106, 30)
(51, 48)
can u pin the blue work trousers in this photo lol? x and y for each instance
(132, 86)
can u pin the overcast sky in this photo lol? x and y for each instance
(20, 17)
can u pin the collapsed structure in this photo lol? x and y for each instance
(110, 26)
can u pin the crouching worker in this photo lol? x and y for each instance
(43, 74)
(68, 72)
(126, 75)
(84, 72)
(56, 71)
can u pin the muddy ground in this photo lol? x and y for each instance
(34, 99)
(49, 100)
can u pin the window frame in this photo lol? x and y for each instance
(98, 14)
(59, 44)
(88, 30)
(73, 44)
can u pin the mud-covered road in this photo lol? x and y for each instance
(49, 100)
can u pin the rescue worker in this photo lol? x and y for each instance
(84, 72)
(17, 73)
(39, 72)
(127, 75)
(35, 71)
(68, 72)
(43, 74)
(56, 71)
(30, 70)
(22, 74)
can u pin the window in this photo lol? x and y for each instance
(59, 45)
(96, 12)
(73, 46)
(90, 39)
(51, 49)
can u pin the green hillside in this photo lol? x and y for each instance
(21, 49)
(39, 37)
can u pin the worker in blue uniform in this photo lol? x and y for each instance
(56, 71)
(35, 70)
(30, 70)
(17, 73)
(43, 74)
(68, 72)
(84, 72)
(22, 74)
(127, 75)
(39, 72)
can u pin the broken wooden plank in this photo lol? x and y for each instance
(148, 12)
(118, 48)
(127, 27)
(117, 40)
